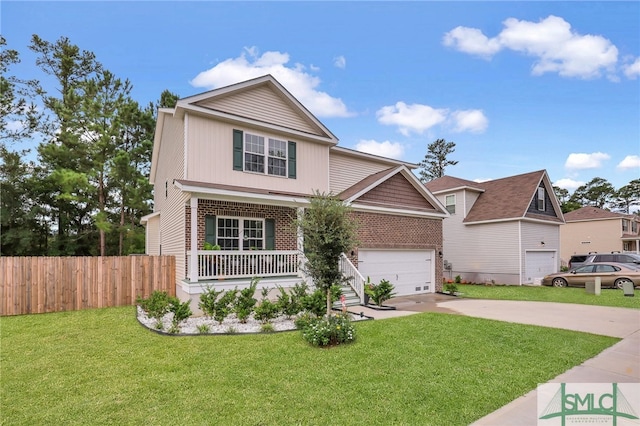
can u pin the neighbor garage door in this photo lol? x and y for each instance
(410, 271)
(538, 264)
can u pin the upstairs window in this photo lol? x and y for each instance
(541, 206)
(634, 226)
(450, 203)
(260, 154)
(625, 225)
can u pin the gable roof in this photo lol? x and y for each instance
(589, 213)
(234, 103)
(502, 199)
(395, 188)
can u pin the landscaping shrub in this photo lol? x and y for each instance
(288, 304)
(181, 311)
(224, 305)
(266, 310)
(157, 305)
(329, 331)
(208, 301)
(379, 293)
(245, 303)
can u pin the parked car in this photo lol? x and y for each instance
(594, 257)
(611, 275)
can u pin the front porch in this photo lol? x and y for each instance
(228, 269)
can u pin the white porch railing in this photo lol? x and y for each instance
(217, 264)
(355, 278)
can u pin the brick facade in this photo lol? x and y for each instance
(400, 232)
(286, 238)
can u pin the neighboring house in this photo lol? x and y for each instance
(234, 166)
(504, 230)
(591, 229)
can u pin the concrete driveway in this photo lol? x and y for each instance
(618, 364)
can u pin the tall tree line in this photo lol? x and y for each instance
(89, 187)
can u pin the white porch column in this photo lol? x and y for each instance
(193, 262)
(300, 234)
(300, 245)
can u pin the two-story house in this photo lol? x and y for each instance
(233, 167)
(592, 229)
(503, 230)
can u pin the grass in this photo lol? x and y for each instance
(101, 367)
(607, 297)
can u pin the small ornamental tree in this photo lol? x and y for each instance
(328, 231)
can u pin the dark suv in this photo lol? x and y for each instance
(581, 259)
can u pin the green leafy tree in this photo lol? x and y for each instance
(328, 230)
(566, 205)
(64, 153)
(435, 161)
(19, 116)
(598, 193)
(168, 99)
(628, 196)
(23, 228)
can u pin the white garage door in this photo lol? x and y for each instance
(410, 271)
(538, 264)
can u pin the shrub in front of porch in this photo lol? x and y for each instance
(329, 330)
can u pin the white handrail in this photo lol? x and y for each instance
(355, 278)
(217, 264)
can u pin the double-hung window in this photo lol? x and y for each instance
(259, 151)
(450, 201)
(262, 154)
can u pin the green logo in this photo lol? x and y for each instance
(587, 400)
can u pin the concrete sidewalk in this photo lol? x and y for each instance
(617, 364)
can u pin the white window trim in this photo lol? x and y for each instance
(265, 155)
(447, 205)
(540, 203)
(241, 220)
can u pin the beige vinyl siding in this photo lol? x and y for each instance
(345, 171)
(171, 206)
(170, 159)
(262, 103)
(210, 159)
(152, 242)
(602, 236)
(482, 252)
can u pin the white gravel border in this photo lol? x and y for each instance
(231, 324)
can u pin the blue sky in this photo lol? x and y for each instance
(518, 86)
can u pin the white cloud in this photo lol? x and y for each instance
(413, 118)
(632, 70)
(556, 47)
(578, 161)
(471, 40)
(300, 83)
(471, 120)
(384, 149)
(417, 118)
(340, 62)
(630, 162)
(568, 184)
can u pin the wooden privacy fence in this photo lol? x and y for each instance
(30, 285)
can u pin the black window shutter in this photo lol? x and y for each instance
(270, 234)
(210, 229)
(237, 149)
(292, 160)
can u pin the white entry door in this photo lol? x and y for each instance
(410, 271)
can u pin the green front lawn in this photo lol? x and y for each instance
(607, 297)
(101, 367)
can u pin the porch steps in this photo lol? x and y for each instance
(351, 298)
